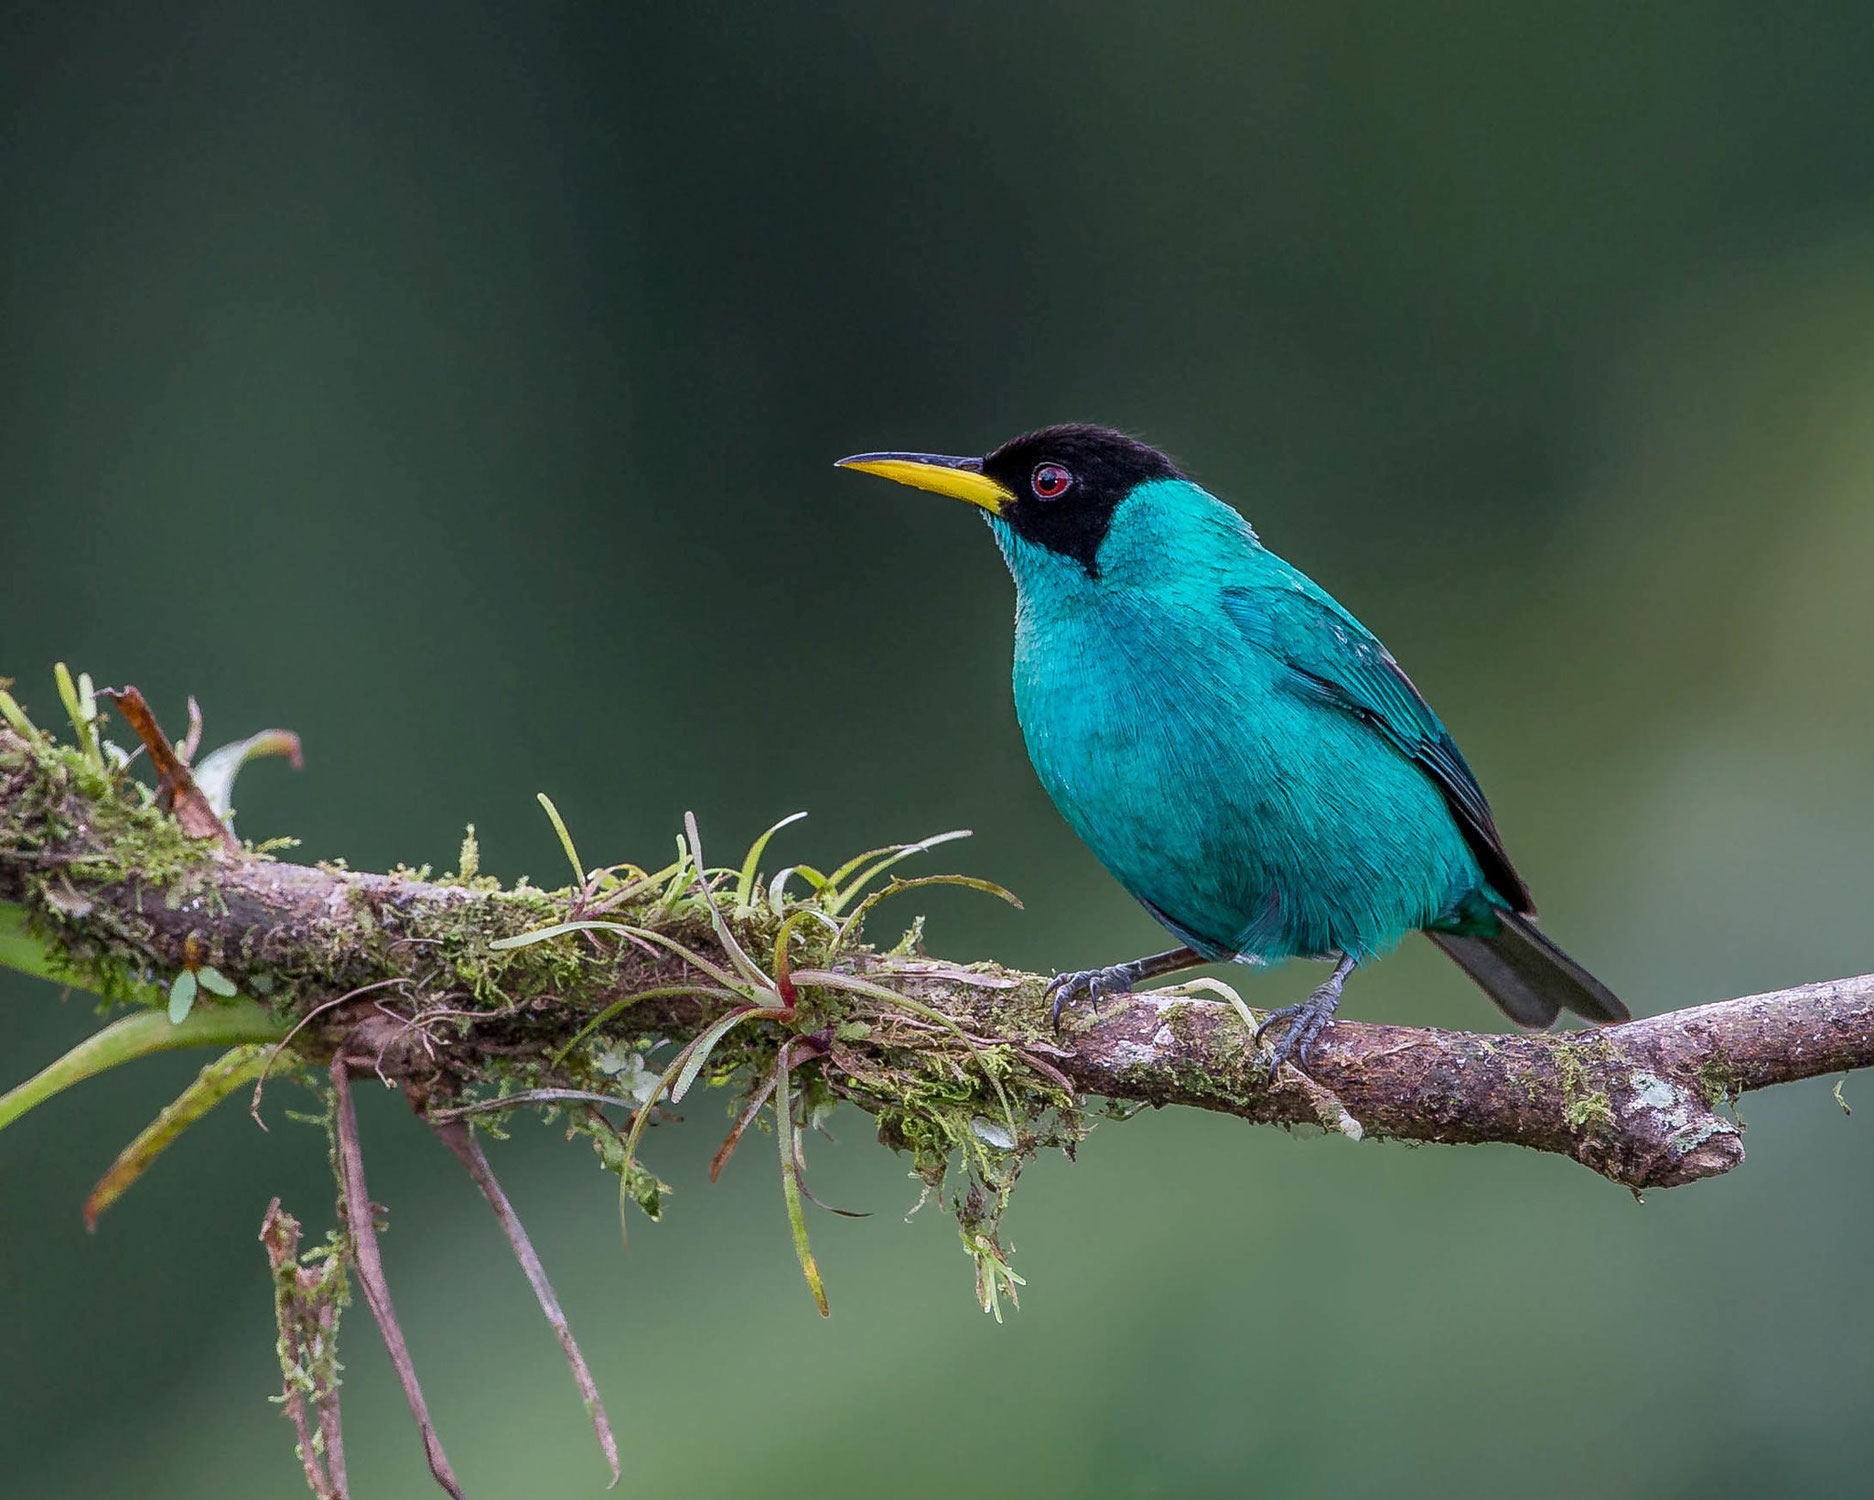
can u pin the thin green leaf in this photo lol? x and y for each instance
(745, 882)
(181, 997)
(643, 1117)
(643, 880)
(622, 887)
(21, 949)
(746, 966)
(649, 934)
(558, 929)
(790, 1183)
(680, 881)
(706, 1043)
(68, 695)
(140, 1035)
(519, 1099)
(21, 725)
(213, 1084)
(75, 711)
(216, 774)
(705, 991)
(897, 885)
(566, 839)
(993, 1275)
(191, 741)
(679, 1069)
(802, 916)
(860, 859)
(777, 887)
(842, 894)
(747, 1117)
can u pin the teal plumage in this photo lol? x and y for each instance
(1164, 717)
(1239, 751)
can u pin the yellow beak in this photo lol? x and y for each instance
(959, 478)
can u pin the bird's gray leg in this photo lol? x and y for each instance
(1117, 979)
(1306, 1021)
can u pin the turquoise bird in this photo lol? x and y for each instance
(1242, 755)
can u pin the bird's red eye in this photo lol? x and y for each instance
(1051, 481)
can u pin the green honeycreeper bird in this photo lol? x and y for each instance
(1241, 754)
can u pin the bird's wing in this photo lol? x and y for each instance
(1332, 658)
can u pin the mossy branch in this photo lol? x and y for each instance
(476, 1000)
(104, 895)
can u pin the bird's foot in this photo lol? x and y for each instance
(1304, 1022)
(1301, 1025)
(1088, 984)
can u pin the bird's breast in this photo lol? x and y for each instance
(1257, 821)
(1146, 731)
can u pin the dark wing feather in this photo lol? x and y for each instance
(1332, 658)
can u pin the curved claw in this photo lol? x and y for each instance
(1306, 1021)
(1302, 1024)
(1085, 984)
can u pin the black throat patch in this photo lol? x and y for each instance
(1104, 467)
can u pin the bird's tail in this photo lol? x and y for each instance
(1531, 980)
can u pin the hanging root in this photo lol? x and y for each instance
(459, 1137)
(361, 1224)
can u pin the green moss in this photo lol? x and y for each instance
(1719, 1082)
(1585, 1109)
(968, 1113)
(1180, 1018)
(80, 828)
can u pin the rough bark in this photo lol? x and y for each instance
(375, 961)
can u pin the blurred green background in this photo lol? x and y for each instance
(458, 385)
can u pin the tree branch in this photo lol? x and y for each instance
(1638, 1103)
(476, 1001)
